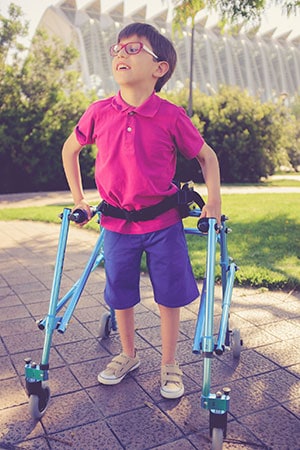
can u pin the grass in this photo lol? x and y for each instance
(277, 182)
(281, 183)
(265, 242)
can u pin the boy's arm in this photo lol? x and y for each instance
(70, 156)
(211, 173)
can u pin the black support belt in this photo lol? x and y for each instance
(181, 200)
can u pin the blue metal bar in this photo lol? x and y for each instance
(208, 339)
(224, 258)
(208, 345)
(196, 212)
(62, 302)
(225, 309)
(200, 321)
(206, 380)
(81, 284)
(51, 317)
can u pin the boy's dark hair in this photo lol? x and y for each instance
(161, 46)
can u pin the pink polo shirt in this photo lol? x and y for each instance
(136, 159)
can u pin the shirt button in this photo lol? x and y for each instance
(129, 129)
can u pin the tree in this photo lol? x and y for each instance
(183, 12)
(234, 11)
(230, 13)
(41, 100)
(293, 148)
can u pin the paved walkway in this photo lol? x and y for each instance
(64, 197)
(83, 415)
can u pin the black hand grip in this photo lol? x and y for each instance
(80, 215)
(203, 225)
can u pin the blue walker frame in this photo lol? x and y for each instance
(205, 343)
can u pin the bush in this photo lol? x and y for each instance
(251, 139)
(40, 102)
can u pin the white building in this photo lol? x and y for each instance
(265, 65)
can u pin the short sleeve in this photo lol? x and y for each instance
(188, 139)
(85, 127)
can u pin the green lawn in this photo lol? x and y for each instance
(264, 243)
(281, 183)
(265, 239)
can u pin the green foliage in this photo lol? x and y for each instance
(251, 138)
(41, 100)
(232, 12)
(185, 10)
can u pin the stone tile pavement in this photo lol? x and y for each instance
(83, 415)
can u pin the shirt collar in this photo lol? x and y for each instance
(148, 109)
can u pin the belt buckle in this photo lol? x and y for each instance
(129, 215)
(133, 215)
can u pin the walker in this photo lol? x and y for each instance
(205, 343)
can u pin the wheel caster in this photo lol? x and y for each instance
(217, 439)
(236, 343)
(39, 403)
(105, 325)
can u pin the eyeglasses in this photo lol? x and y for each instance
(131, 48)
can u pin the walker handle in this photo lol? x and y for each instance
(80, 215)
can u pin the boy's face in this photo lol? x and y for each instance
(137, 70)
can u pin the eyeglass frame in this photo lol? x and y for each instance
(142, 47)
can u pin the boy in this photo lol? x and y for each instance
(137, 134)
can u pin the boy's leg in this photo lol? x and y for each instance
(171, 375)
(127, 361)
(170, 318)
(125, 320)
(122, 265)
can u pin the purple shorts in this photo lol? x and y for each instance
(168, 263)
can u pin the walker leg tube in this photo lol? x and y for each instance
(81, 284)
(206, 381)
(224, 258)
(200, 321)
(62, 302)
(51, 317)
(208, 340)
(208, 344)
(225, 310)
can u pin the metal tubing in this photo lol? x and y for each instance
(208, 344)
(69, 294)
(200, 321)
(50, 319)
(206, 380)
(224, 258)
(192, 231)
(225, 308)
(207, 341)
(81, 284)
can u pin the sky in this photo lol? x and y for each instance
(34, 9)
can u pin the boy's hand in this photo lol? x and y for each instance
(210, 210)
(84, 206)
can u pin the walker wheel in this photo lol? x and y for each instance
(39, 403)
(105, 325)
(236, 343)
(217, 439)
